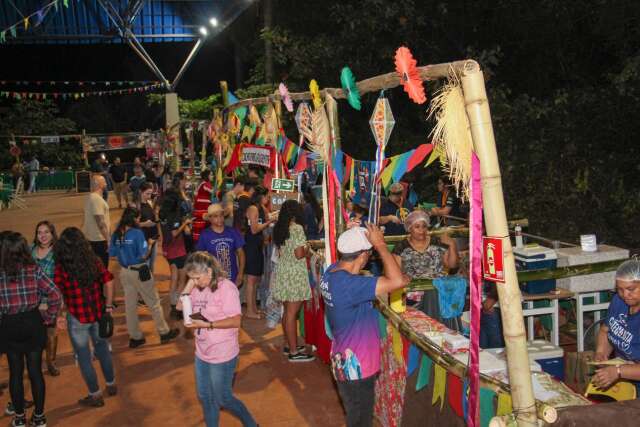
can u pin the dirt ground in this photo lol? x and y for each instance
(156, 382)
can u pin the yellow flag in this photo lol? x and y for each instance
(352, 184)
(435, 153)
(397, 345)
(219, 178)
(504, 404)
(385, 177)
(439, 385)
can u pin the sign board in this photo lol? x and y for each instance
(493, 259)
(279, 184)
(255, 155)
(50, 139)
(277, 199)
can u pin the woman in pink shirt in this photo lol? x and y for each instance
(215, 304)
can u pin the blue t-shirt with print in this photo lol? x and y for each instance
(223, 247)
(131, 249)
(348, 299)
(624, 330)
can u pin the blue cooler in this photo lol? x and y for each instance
(536, 257)
(549, 357)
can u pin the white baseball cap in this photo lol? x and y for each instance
(354, 240)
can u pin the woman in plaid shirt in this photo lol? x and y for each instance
(42, 252)
(23, 335)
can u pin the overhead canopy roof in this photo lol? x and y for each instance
(87, 21)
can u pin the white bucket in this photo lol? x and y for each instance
(588, 243)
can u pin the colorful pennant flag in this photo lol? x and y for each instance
(439, 385)
(424, 374)
(397, 345)
(505, 406)
(414, 359)
(382, 325)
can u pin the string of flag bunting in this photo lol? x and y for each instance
(76, 82)
(32, 20)
(76, 95)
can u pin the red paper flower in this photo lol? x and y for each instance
(406, 68)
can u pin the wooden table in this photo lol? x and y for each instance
(529, 311)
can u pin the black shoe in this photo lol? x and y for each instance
(165, 338)
(19, 421)
(136, 343)
(301, 357)
(285, 349)
(112, 390)
(92, 401)
(38, 421)
(141, 303)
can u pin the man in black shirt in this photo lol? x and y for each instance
(118, 175)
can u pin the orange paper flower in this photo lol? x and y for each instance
(406, 68)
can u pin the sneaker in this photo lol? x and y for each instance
(38, 421)
(112, 390)
(285, 349)
(165, 338)
(19, 421)
(10, 410)
(133, 343)
(92, 401)
(301, 357)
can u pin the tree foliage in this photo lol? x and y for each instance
(563, 80)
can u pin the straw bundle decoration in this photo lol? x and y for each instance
(320, 133)
(451, 133)
(254, 116)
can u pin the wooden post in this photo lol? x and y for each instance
(477, 107)
(224, 90)
(334, 122)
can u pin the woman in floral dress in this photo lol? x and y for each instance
(291, 277)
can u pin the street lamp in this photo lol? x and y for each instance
(203, 31)
(213, 22)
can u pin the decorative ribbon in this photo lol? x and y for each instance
(475, 282)
(414, 359)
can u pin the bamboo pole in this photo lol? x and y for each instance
(334, 123)
(544, 274)
(373, 84)
(477, 107)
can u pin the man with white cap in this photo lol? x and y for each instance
(348, 298)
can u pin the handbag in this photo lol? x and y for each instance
(105, 325)
(144, 272)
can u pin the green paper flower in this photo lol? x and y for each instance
(349, 86)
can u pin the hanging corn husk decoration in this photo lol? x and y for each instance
(270, 129)
(320, 133)
(451, 133)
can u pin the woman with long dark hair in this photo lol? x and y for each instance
(23, 333)
(175, 226)
(87, 288)
(42, 252)
(149, 221)
(130, 246)
(292, 278)
(313, 221)
(257, 222)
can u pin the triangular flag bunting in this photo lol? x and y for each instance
(382, 324)
(505, 406)
(487, 397)
(424, 374)
(397, 344)
(414, 359)
(439, 385)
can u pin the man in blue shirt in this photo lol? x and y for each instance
(348, 298)
(129, 245)
(394, 211)
(224, 243)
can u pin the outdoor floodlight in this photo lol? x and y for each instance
(213, 22)
(203, 31)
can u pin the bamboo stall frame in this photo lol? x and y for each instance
(509, 295)
(545, 412)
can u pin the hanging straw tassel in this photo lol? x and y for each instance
(320, 133)
(451, 133)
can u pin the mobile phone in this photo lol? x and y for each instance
(198, 316)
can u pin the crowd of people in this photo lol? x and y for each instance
(221, 249)
(224, 248)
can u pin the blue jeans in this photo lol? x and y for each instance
(79, 334)
(491, 330)
(214, 382)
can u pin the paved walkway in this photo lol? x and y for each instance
(156, 383)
